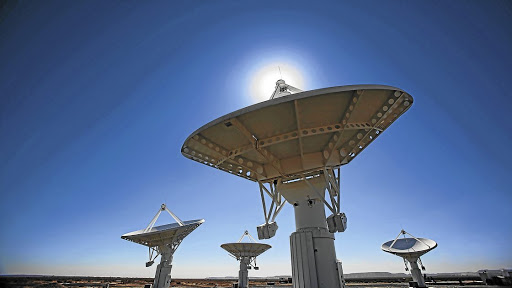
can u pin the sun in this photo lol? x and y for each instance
(263, 80)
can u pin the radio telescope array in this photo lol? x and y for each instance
(410, 249)
(293, 146)
(246, 253)
(163, 240)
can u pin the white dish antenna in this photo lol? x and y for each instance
(246, 253)
(410, 249)
(163, 240)
(293, 146)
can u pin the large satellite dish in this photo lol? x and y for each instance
(300, 134)
(293, 145)
(163, 240)
(410, 249)
(246, 253)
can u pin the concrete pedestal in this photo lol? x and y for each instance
(163, 270)
(416, 272)
(243, 274)
(314, 263)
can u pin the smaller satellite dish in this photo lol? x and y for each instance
(163, 240)
(162, 235)
(239, 250)
(410, 249)
(246, 253)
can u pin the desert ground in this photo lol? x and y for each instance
(70, 281)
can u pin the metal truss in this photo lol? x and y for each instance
(277, 200)
(163, 207)
(332, 181)
(155, 251)
(337, 222)
(269, 228)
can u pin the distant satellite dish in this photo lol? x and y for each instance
(293, 146)
(239, 250)
(161, 235)
(410, 249)
(246, 253)
(163, 240)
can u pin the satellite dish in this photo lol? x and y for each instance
(293, 146)
(410, 249)
(163, 240)
(246, 253)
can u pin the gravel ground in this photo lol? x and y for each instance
(75, 282)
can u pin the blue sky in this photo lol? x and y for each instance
(97, 97)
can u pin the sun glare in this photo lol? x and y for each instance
(263, 80)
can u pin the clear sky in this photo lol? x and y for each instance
(97, 97)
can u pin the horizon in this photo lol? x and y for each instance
(236, 277)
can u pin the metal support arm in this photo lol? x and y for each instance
(283, 89)
(268, 230)
(337, 222)
(403, 232)
(163, 207)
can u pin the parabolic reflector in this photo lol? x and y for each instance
(242, 249)
(409, 247)
(298, 134)
(164, 234)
